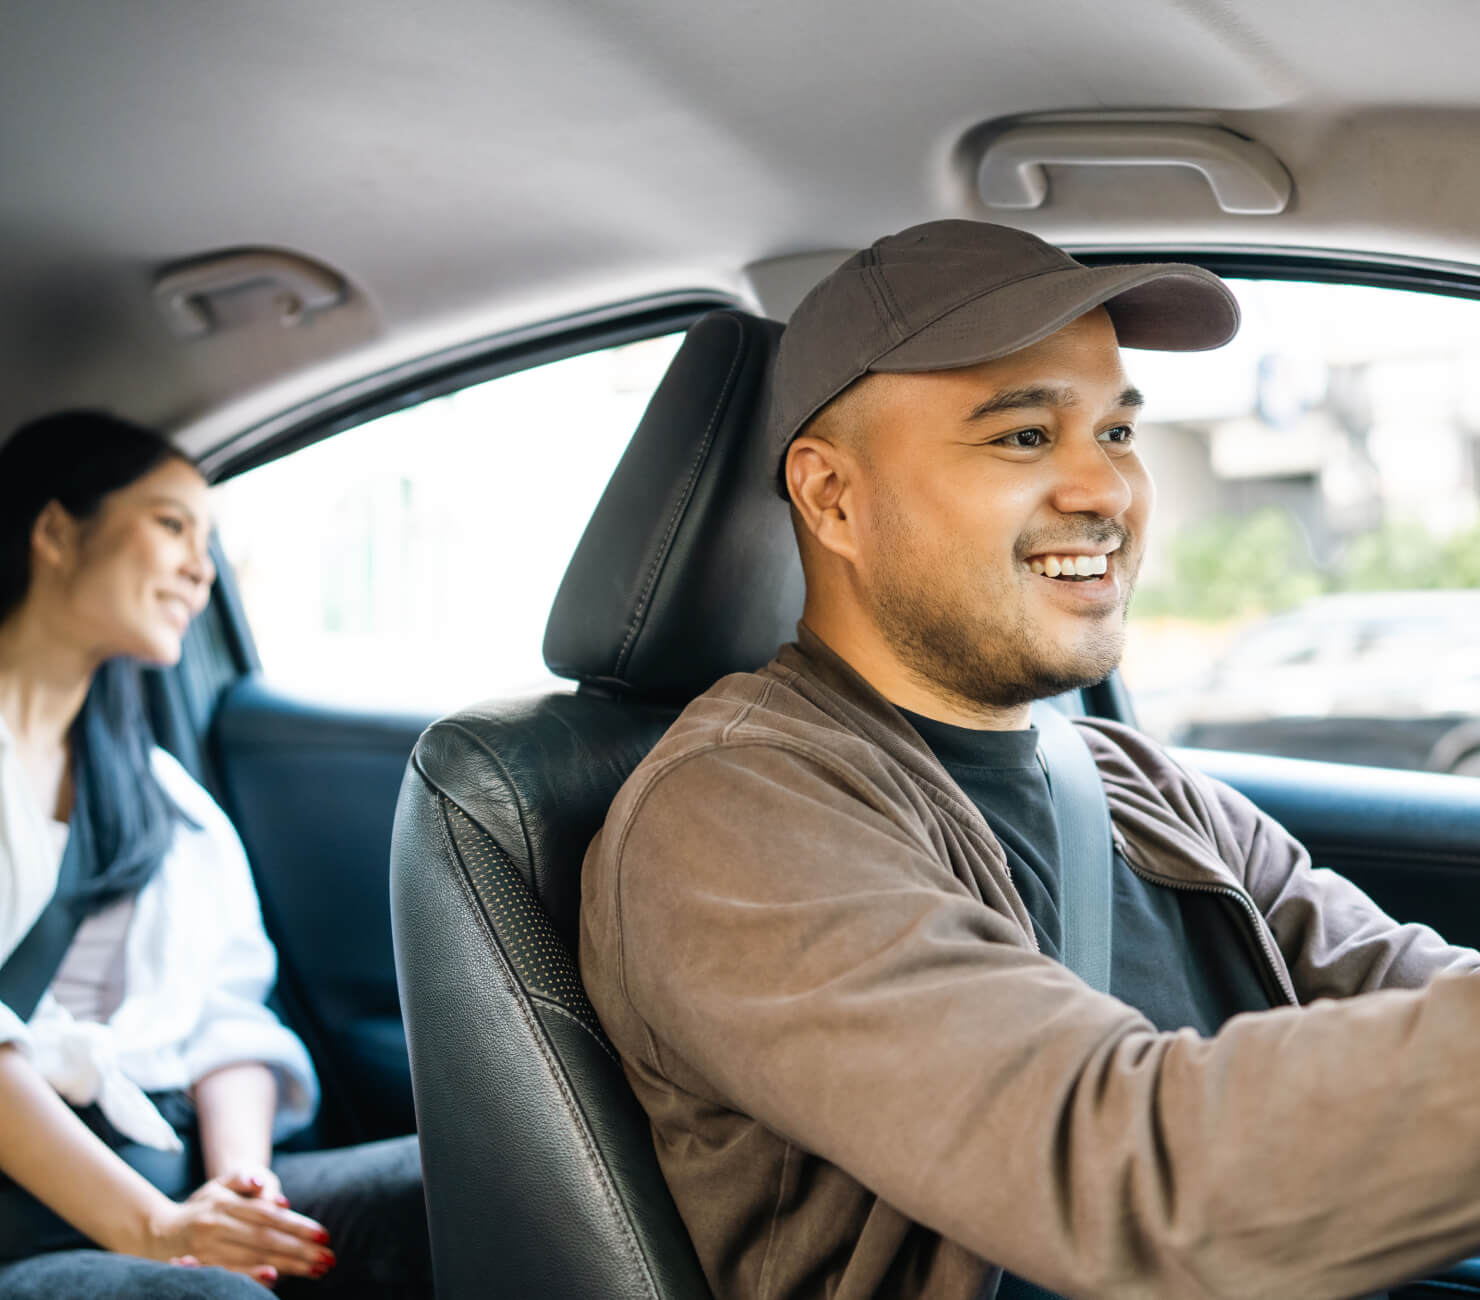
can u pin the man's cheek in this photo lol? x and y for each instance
(1136, 554)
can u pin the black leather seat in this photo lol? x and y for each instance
(540, 1173)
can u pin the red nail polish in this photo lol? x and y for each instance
(283, 1201)
(322, 1237)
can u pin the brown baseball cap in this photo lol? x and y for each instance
(955, 293)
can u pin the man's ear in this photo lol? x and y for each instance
(54, 536)
(821, 478)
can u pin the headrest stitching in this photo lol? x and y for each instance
(640, 609)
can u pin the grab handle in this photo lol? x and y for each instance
(292, 288)
(1245, 177)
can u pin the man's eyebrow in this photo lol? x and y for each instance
(1019, 399)
(1036, 396)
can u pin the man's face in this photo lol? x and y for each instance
(981, 484)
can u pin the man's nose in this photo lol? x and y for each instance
(1088, 480)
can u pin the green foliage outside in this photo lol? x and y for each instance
(1236, 566)
(1404, 556)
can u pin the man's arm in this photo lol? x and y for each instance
(1335, 940)
(798, 950)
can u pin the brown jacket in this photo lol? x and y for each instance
(864, 1080)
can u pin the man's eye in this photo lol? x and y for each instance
(1021, 438)
(176, 526)
(1120, 433)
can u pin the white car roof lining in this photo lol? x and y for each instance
(488, 165)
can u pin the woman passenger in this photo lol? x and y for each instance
(143, 1083)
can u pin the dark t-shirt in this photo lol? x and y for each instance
(1183, 958)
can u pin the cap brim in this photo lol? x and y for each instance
(1163, 306)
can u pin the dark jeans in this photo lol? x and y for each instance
(369, 1198)
(96, 1275)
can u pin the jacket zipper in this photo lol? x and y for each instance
(1012, 884)
(1246, 907)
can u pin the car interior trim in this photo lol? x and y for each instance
(1360, 813)
(445, 372)
(1245, 263)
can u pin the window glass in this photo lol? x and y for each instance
(1311, 584)
(409, 563)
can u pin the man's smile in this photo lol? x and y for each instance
(1069, 564)
(1087, 574)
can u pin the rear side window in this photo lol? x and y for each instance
(1312, 587)
(409, 563)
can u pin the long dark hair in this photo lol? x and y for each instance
(121, 812)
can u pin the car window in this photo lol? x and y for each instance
(410, 562)
(1311, 587)
(1276, 645)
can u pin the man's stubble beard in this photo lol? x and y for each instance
(979, 658)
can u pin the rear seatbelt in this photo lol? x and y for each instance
(1083, 820)
(29, 970)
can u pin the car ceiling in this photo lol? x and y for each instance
(472, 167)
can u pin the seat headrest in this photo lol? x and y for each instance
(688, 569)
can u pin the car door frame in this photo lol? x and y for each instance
(220, 675)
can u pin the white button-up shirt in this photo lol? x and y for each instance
(197, 967)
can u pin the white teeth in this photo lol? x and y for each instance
(1081, 566)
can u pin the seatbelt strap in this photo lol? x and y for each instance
(31, 966)
(1083, 820)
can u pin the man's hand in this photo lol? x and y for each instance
(240, 1221)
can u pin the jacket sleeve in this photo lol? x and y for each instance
(13, 1029)
(798, 952)
(235, 1025)
(1334, 939)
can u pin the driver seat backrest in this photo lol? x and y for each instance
(540, 1173)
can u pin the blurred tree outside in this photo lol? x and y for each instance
(1235, 566)
(1242, 566)
(1404, 556)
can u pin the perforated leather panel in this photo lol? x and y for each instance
(521, 927)
(540, 1172)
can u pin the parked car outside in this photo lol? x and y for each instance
(1383, 679)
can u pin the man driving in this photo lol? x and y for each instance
(827, 922)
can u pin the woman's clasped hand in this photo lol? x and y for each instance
(241, 1221)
